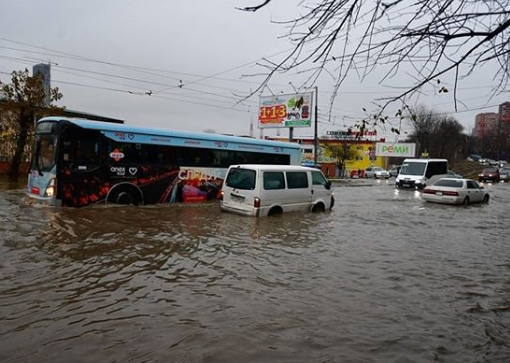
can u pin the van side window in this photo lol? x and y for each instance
(297, 180)
(318, 178)
(273, 180)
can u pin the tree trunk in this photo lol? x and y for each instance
(25, 122)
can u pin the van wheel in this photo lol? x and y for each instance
(466, 201)
(275, 211)
(319, 207)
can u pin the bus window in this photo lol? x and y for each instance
(80, 149)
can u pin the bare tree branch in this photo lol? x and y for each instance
(435, 39)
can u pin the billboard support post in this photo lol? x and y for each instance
(315, 137)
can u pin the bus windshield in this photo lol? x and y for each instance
(413, 169)
(45, 152)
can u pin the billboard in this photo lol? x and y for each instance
(294, 110)
(395, 149)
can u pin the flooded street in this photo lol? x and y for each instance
(383, 277)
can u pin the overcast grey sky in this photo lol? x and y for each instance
(196, 59)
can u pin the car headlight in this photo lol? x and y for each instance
(50, 189)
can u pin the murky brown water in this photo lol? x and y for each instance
(384, 277)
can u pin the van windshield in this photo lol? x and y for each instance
(238, 178)
(413, 169)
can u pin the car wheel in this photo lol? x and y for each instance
(319, 207)
(486, 199)
(466, 201)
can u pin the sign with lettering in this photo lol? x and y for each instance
(395, 149)
(293, 110)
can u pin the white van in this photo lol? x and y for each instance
(262, 190)
(414, 173)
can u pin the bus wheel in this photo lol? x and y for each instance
(125, 196)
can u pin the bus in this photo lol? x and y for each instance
(79, 162)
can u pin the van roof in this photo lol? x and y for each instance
(274, 167)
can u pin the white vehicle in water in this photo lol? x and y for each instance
(376, 173)
(455, 191)
(416, 172)
(262, 190)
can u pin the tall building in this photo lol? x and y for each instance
(45, 71)
(485, 124)
(504, 123)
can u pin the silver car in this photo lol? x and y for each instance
(504, 175)
(455, 191)
(376, 173)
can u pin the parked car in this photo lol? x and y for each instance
(492, 162)
(376, 173)
(394, 171)
(489, 174)
(504, 174)
(455, 191)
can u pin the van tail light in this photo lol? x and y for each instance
(222, 194)
(256, 202)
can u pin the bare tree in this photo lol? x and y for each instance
(437, 134)
(433, 38)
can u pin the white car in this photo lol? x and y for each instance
(376, 172)
(455, 191)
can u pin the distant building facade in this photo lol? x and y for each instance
(504, 123)
(485, 124)
(362, 146)
(492, 131)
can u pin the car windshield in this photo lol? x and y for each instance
(413, 169)
(449, 183)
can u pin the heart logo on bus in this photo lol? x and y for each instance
(133, 171)
(131, 136)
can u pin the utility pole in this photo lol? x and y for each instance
(315, 137)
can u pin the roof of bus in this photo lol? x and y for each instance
(109, 126)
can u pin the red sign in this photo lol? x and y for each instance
(272, 114)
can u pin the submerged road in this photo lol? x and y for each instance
(384, 277)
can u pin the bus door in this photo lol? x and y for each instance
(79, 172)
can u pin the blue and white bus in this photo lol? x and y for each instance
(78, 162)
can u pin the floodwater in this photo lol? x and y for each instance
(384, 277)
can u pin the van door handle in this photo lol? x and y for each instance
(312, 191)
